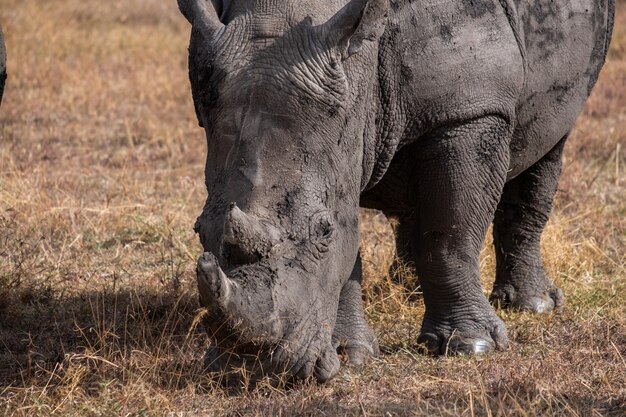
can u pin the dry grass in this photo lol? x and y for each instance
(101, 179)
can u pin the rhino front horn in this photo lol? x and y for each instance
(215, 288)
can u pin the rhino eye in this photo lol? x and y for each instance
(325, 230)
(322, 228)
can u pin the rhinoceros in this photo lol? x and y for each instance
(3, 65)
(448, 115)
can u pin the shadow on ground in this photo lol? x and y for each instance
(42, 335)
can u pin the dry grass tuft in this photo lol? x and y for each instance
(101, 167)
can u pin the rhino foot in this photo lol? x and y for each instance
(352, 337)
(356, 343)
(481, 334)
(327, 365)
(528, 299)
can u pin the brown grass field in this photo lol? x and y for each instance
(101, 178)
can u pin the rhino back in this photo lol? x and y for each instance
(565, 44)
(458, 59)
(441, 62)
(533, 62)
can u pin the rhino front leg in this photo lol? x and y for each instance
(352, 334)
(460, 172)
(521, 280)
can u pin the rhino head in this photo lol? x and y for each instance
(282, 100)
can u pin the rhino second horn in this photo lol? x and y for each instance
(249, 235)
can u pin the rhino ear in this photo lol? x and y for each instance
(202, 14)
(358, 21)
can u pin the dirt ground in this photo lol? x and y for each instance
(101, 178)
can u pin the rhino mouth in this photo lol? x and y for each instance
(240, 363)
(250, 338)
(243, 364)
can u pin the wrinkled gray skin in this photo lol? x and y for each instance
(448, 115)
(3, 65)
